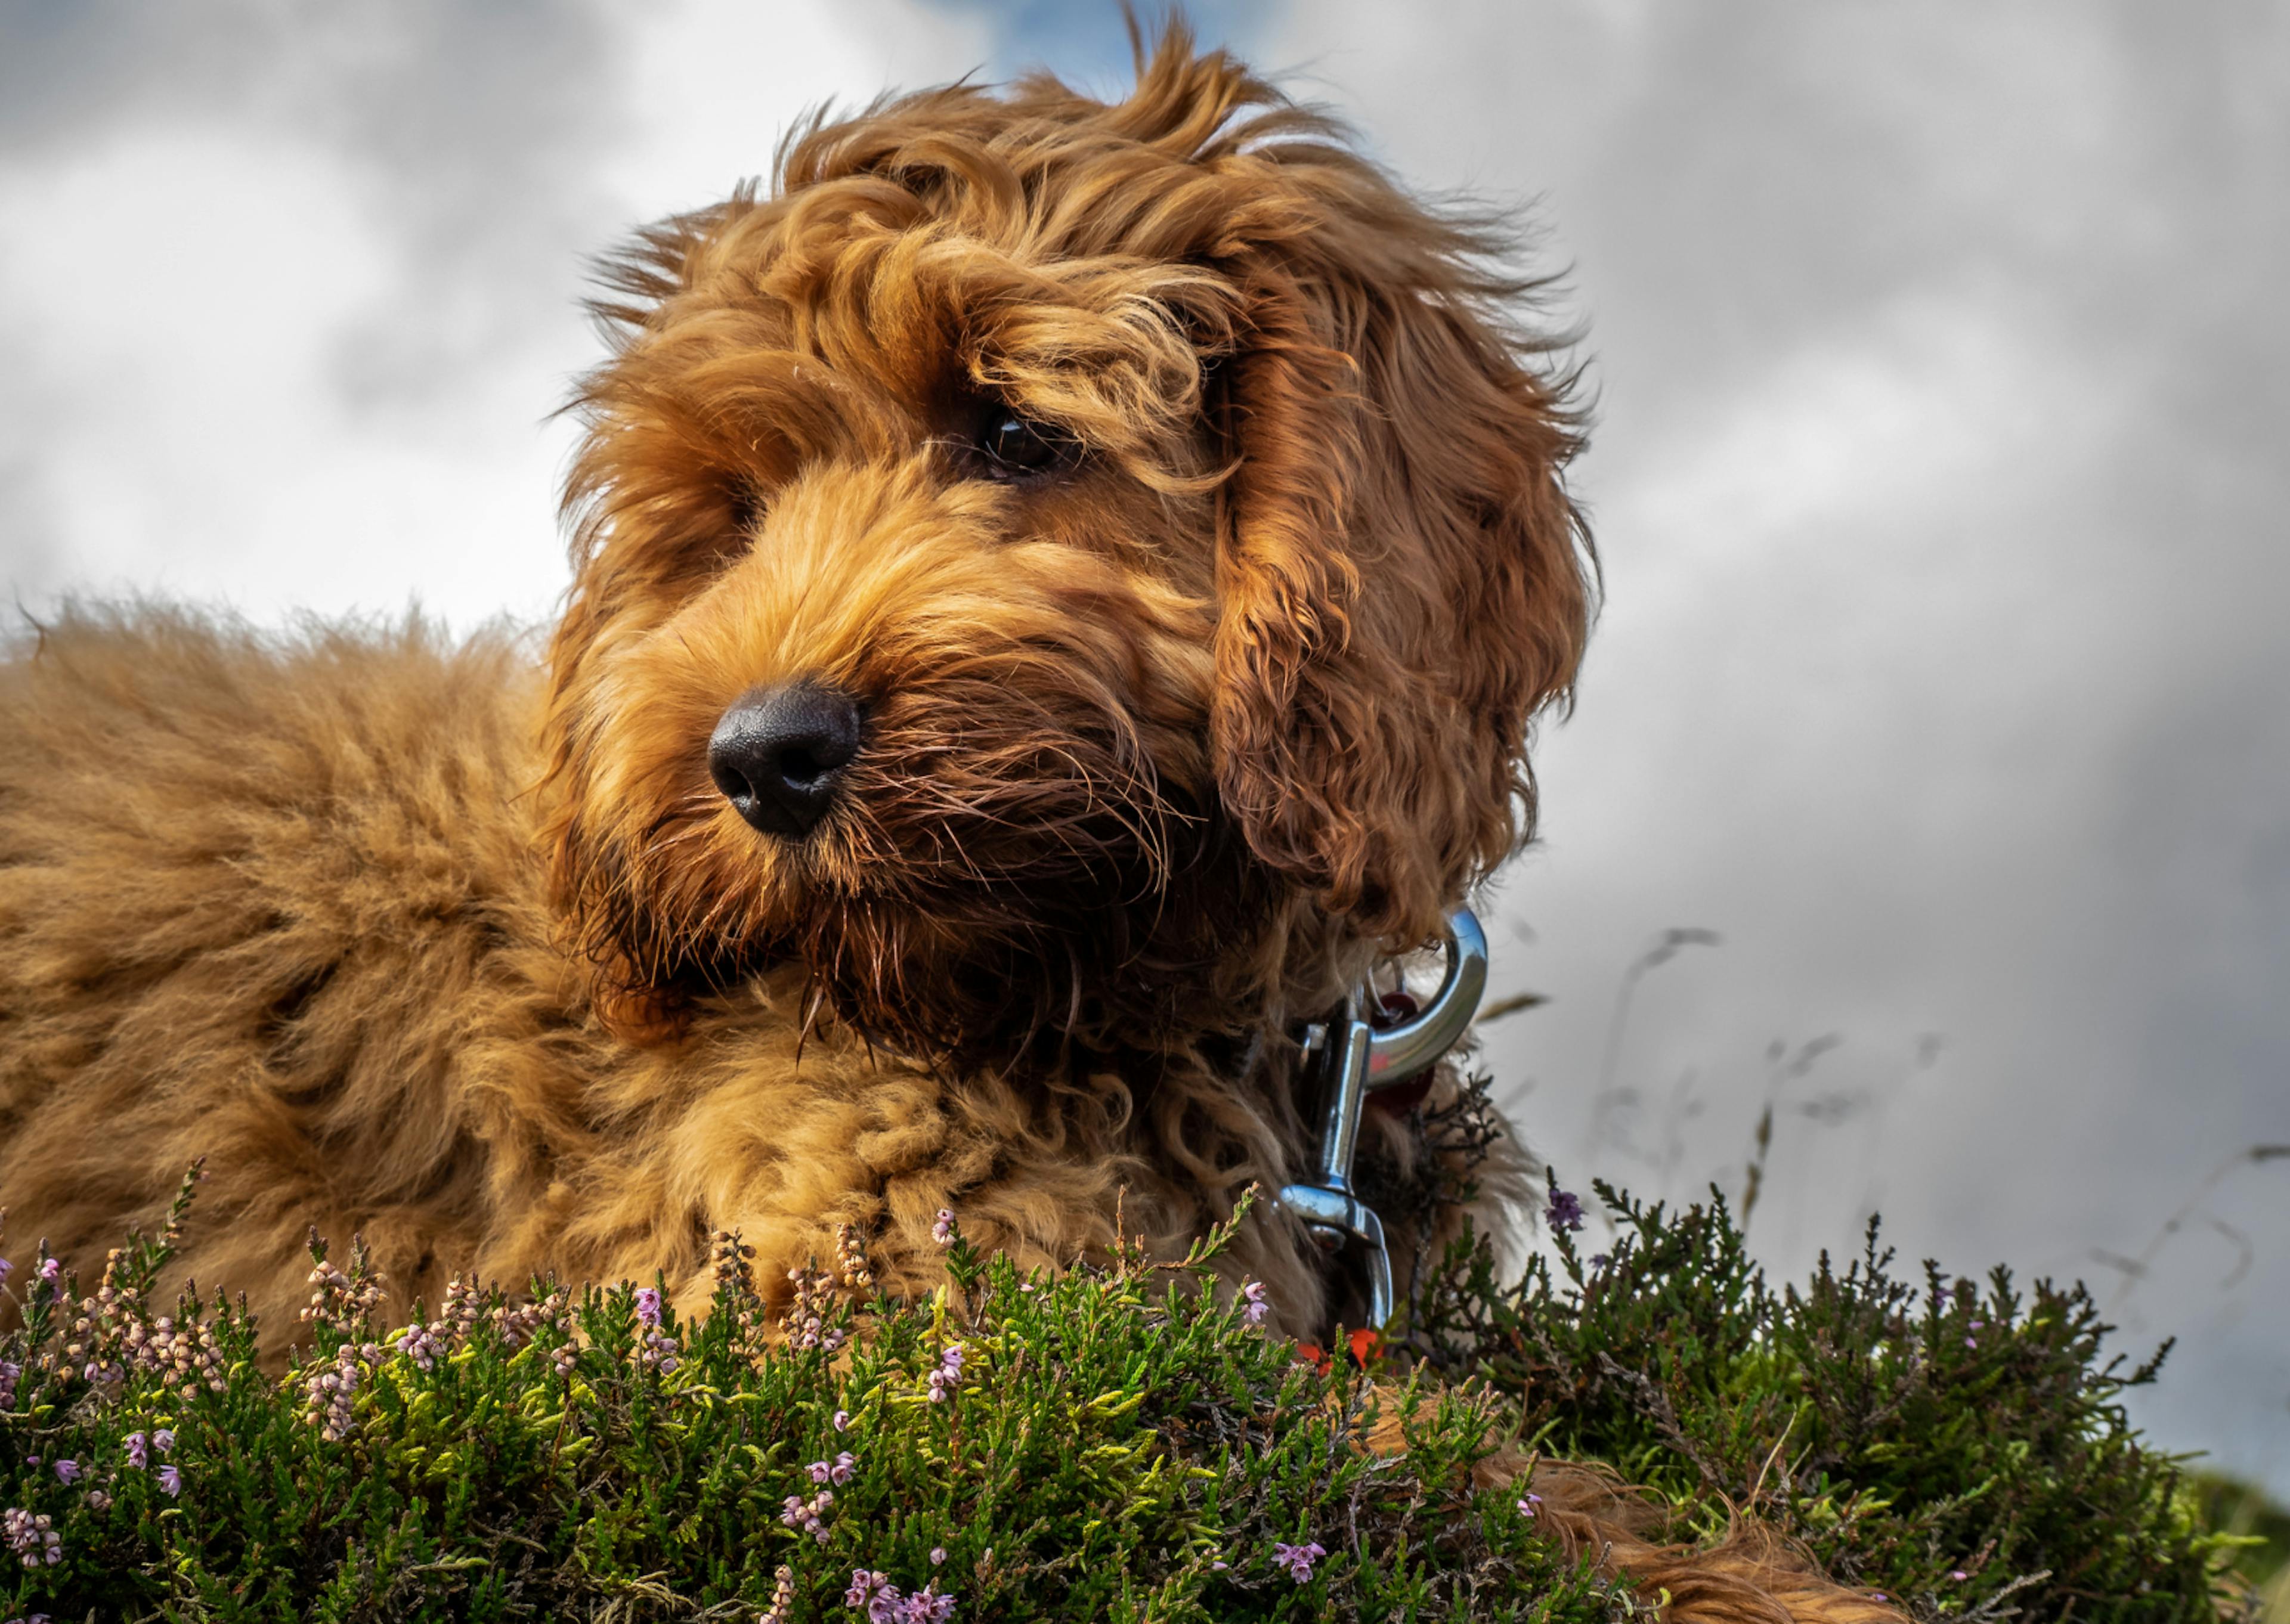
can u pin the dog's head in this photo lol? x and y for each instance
(1054, 565)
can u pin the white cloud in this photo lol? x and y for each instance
(711, 83)
(179, 387)
(298, 345)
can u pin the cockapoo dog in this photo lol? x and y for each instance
(1062, 590)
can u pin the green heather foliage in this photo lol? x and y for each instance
(1115, 1444)
(1959, 1447)
(1110, 1445)
(2263, 1529)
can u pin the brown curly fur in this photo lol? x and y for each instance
(1162, 748)
(1751, 1576)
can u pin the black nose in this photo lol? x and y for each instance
(778, 753)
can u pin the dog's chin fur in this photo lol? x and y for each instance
(1183, 700)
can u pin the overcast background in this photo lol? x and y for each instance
(1940, 477)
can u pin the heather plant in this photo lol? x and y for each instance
(1121, 1442)
(2260, 1531)
(1956, 1444)
(1116, 1443)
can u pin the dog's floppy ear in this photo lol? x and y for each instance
(1403, 580)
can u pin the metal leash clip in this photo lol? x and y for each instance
(1357, 1060)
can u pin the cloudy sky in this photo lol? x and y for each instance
(1940, 478)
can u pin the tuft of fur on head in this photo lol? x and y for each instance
(1167, 738)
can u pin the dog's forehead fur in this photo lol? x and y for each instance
(1088, 263)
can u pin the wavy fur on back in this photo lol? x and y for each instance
(1171, 729)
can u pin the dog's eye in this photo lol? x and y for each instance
(1015, 446)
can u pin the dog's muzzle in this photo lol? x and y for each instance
(778, 753)
(1357, 1058)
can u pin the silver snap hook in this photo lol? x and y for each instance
(1357, 1059)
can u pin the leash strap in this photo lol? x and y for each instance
(1357, 1060)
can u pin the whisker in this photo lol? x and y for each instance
(815, 994)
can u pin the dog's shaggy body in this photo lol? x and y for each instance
(1172, 499)
(279, 906)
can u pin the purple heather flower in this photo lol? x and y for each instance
(138, 1455)
(1254, 1304)
(6, 1269)
(1564, 1212)
(842, 1421)
(927, 1606)
(1959, 1573)
(948, 1376)
(422, 1345)
(171, 1479)
(1599, 1259)
(648, 1304)
(8, 1373)
(837, 1470)
(67, 1471)
(164, 1440)
(808, 1515)
(782, 1598)
(330, 1391)
(943, 1231)
(1298, 1559)
(885, 1604)
(30, 1537)
(98, 1500)
(52, 1269)
(1530, 1505)
(938, 1555)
